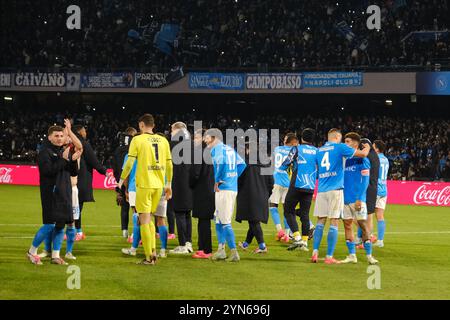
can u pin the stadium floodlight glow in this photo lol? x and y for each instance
(388, 102)
(8, 98)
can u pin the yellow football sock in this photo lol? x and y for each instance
(153, 234)
(305, 238)
(296, 235)
(146, 238)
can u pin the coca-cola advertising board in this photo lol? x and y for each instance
(29, 175)
(399, 192)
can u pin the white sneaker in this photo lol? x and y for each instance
(304, 247)
(189, 247)
(379, 244)
(162, 253)
(351, 258)
(129, 252)
(372, 260)
(70, 256)
(180, 250)
(44, 254)
(125, 234)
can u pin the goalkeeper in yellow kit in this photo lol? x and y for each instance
(154, 167)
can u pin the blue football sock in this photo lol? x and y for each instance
(359, 232)
(58, 238)
(368, 247)
(79, 230)
(70, 233)
(381, 229)
(275, 215)
(220, 233)
(229, 236)
(332, 240)
(163, 236)
(245, 244)
(136, 231)
(286, 226)
(262, 246)
(318, 236)
(351, 247)
(42, 234)
(48, 242)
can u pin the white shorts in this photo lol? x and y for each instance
(225, 201)
(381, 202)
(161, 211)
(351, 213)
(132, 198)
(278, 194)
(329, 204)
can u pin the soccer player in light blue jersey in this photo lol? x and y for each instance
(356, 181)
(228, 166)
(380, 205)
(281, 185)
(301, 189)
(330, 196)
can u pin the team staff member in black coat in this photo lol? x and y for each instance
(56, 166)
(88, 163)
(202, 183)
(254, 190)
(117, 164)
(372, 189)
(182, 198)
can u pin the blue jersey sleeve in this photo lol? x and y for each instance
(346, 151)
(290, 160)
(219, 165)
(240, 164)
(365, 176)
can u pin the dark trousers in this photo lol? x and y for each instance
(125, 215)
(171, 219)
(254, 231)
(78, 222)
(204, 235)
(293, 197)
(184, 226)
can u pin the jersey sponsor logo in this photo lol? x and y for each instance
(425, 195)
(352, 168)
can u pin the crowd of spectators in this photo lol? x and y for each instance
(418, 148)
(221, 34)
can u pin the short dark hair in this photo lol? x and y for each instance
(54, 129)
(290, 136)
(380, 145)
(131, 131)
(148, 120)
(77, 128)
(354, 136)
(308, 135)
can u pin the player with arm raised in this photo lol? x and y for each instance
(356, 182)
(330, 197)
(228, 166)
(380, 205)
(154, 162)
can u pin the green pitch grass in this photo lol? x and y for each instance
(415, 264)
